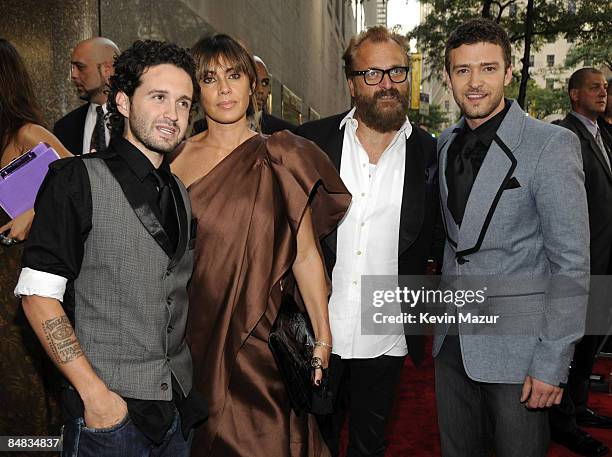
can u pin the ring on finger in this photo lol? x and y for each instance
(316, 362)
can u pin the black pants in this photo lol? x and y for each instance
(365, 388)
(576, 394)
(476, 418)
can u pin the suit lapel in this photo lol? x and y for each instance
(79, 131)
(413, 196)
(141, 207)
(594, 146)
(450, 227)
(496, 170)
(181, 214)
(333, 147)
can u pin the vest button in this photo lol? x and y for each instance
(169, 300)
(164, 386)
(169, 329)
(461, 260)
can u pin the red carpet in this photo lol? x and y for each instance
(413, 430)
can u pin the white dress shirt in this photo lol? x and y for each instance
(368, 239)
(90, 123)
(593, 128)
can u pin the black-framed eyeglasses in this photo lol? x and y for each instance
(374, 76)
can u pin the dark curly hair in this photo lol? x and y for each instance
(130, 65)
(478, 30)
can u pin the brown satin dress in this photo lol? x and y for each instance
(248, 210)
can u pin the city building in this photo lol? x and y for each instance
(301, 42)
(375, 12)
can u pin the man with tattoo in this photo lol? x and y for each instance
(106, 267)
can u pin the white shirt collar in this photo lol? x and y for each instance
(406, 127)
(591, 126)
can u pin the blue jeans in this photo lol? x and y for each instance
(122, 440)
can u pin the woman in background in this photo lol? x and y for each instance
(261, 204)
(29, 407)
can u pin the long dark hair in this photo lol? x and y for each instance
(209, 50)
(18, 105)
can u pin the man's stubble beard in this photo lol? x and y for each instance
(383, 121)
(139, 131)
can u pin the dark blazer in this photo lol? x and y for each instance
(69, 129)
(271, 124)
(420, 235)
(598, 183)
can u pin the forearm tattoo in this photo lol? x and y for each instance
(61, 338)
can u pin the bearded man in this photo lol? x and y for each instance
(389, 166)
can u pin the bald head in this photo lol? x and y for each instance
(91, 66)
(99, 48)
(262, 91)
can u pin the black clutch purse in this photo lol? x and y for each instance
(291, 341)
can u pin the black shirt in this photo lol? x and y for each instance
(465, 157)
(56, 245)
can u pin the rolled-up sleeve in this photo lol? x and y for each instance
(53, 253)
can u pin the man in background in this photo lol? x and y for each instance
(588, 92)
(83, 130)
(269, 123)
(605, 120)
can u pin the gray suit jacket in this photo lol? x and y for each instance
(526, 217)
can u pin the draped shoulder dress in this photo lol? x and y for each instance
(248, 211)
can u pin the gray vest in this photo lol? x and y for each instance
(130, 307)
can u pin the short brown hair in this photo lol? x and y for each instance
(576, 80)
(377, 34)
(479, 30)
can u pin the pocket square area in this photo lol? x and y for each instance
(512, 184)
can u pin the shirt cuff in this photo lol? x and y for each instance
(34, 282)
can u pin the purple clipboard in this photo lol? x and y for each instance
(21, 179)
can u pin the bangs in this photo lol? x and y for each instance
(211, 53)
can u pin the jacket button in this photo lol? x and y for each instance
(164, 386)
(169, 329)
(461, 260)
(169, 300)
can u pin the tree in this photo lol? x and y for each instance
(540, 102)
(577, 20)
(595, 51)
(434, 121)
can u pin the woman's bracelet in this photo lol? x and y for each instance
(323, 344)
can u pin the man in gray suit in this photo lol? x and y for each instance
(514, 205)
(106, 267)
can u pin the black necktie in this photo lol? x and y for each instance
(98, 137)
(164, 197)
(461, 174)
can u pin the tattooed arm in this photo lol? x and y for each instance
(103, 407)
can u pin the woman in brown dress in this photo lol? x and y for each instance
(28, 403)
(261, 203)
